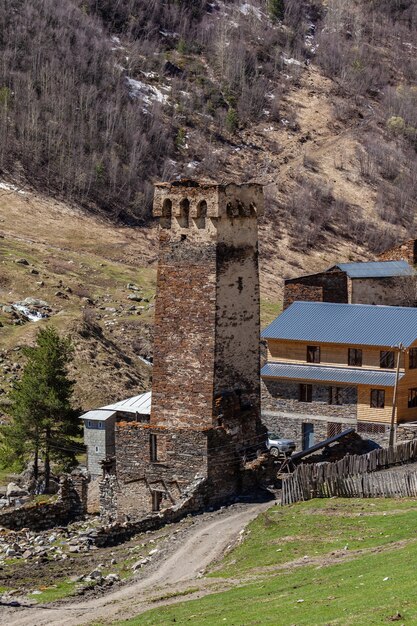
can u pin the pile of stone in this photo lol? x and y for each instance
(55, 545)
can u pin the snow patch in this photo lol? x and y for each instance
(290, 60)
(8, 187)
(247, 8)
(145, 360)
(148, 93)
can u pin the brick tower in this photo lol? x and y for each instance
(206, 385)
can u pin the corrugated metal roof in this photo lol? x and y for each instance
(352, 324)
(98, 415)
(322, 373)
(375, 269)
(137, 404)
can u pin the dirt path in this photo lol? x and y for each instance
(180, 571)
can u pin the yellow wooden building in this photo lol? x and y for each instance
(333, 366)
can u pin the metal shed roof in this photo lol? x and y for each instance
(137, 404)
(375, 269)
(97, 416)
(329, 374)
(352, 324)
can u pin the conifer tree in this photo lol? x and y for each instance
(44, 422)
(276, 9)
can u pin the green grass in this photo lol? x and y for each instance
(269, 311)
(340, 586)
(61, 590)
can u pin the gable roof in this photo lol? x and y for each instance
(352, 324)
(375, 269)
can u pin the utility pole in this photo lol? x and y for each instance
(392, 432)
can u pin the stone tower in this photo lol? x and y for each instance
(205, 415)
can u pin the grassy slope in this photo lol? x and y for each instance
(321, 562)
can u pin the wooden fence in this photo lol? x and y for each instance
(352, 476)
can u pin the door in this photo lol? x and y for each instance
(308, 435)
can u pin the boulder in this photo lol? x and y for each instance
(14, 491)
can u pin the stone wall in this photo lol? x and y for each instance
(284, 396)
(321, 287)
(181, 458)
(70, 504)
(406, 251)
(395, 291)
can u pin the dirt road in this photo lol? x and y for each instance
(181, 570)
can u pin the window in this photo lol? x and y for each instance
(412, 398)
(335, 395)
(306, 393)
(412, 359)
(153, 448)
(184, 213)
(156, 500)
(377, 398)
(313, 354)
(166, 213)
(333, 429)
(372, 429)
(201, 214)
(386, 359)
(355, 357)
(97, 449)
(89, 424)
(100, 425)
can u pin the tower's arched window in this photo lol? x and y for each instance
(184, 213)
(166, 213)
(201, 214)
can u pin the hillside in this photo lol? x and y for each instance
(76, 269)
(315, 100)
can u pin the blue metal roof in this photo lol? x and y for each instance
(375, 269)
(322, 373)
(352, 324)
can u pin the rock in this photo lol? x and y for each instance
(152, 552)
(14, 491)
(140, 564)
(27, 554)
(33, 271)
(112, 578)
(10, 553)
(113, 562)
(22, 262)
(95, 574)
(133, 287)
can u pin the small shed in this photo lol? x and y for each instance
(99, 427)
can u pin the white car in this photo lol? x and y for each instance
(278, 446)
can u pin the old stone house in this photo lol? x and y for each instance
(99, 428)
(333, 366)
(392, 283)
(205, 415)
(406, 251)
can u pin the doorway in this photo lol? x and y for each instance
(308, 435)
